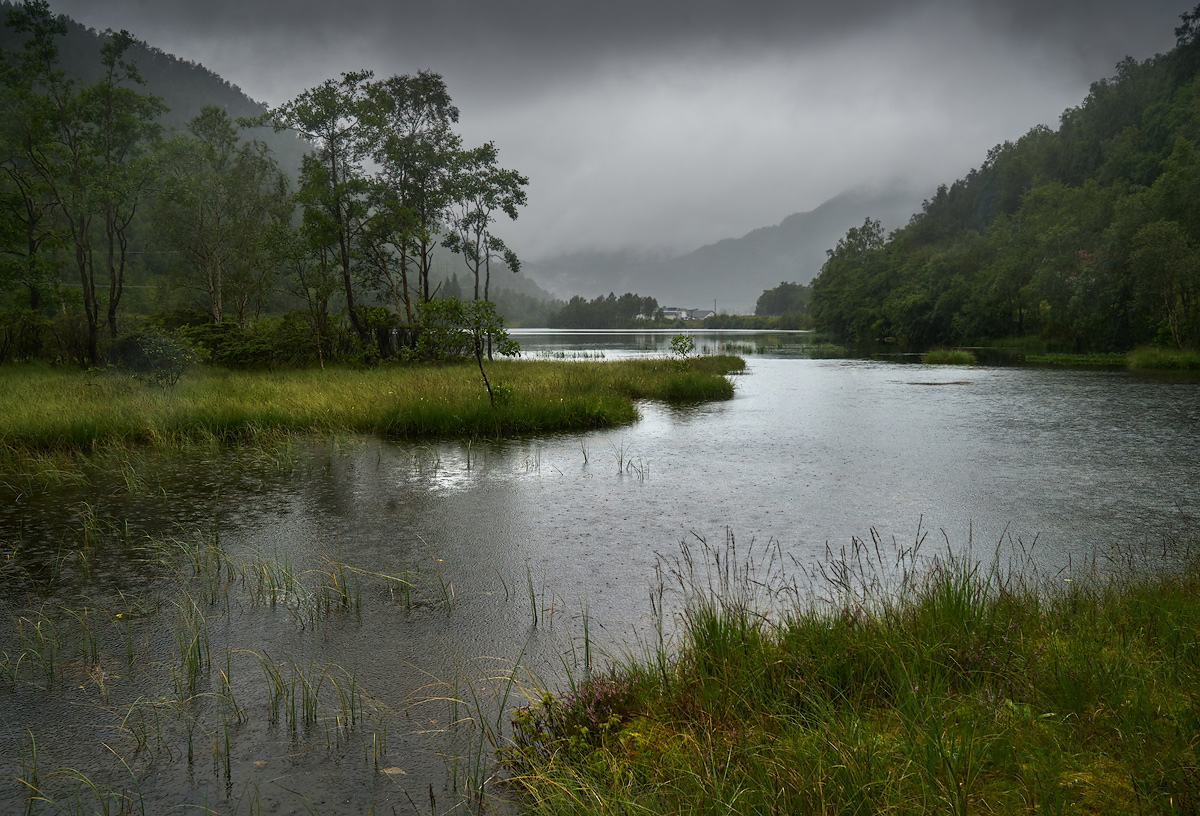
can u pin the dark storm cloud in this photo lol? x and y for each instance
(577, 34)
(672, 124)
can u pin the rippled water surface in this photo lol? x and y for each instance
(394, 587)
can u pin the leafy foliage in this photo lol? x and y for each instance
(79, 159)
(90, 192)
(682, 348)
(217, 203)
(374, 227)
(786, 298)
(473, 327)
(21, 334)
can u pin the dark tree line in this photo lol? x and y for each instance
(606, 312)
(786, 298)
(1082, 238)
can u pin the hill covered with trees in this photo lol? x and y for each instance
(1083, 238)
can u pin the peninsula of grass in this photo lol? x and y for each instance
(962, 691)
(64, 411)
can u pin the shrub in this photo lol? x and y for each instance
(155, 359)
(21, 334)
(682, 347)
(266, 344)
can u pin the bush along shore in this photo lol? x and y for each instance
(61, 410)
(914, 685)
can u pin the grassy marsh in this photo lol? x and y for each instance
(914, 686)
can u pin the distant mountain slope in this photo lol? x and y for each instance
(185, 87)
(792, 250)
(733, 271)
(595, 273)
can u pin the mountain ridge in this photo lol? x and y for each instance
(733, 271)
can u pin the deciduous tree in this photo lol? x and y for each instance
(335, 190)
(481, 189)
(92, 156)
(416, 150)
(219, 198)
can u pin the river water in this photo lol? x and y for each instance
(380, 605)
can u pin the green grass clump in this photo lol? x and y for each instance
(962, 690)
(63, 410)
(948, 357)
(1104, 358)
(1161, 359)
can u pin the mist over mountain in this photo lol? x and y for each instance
(732, 271)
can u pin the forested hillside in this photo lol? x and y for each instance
(1084, 238)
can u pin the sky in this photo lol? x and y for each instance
(663, 126)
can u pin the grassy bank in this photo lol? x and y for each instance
(960, 690)
(949, 357)
(1102, 359)
(1159, 359)
(1147, 358)
(63, 410)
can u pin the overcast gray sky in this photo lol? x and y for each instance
(668, 125)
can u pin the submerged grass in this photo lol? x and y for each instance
(161, 666)
(917, 685)
(61, 411)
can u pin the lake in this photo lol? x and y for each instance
(340, 625)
